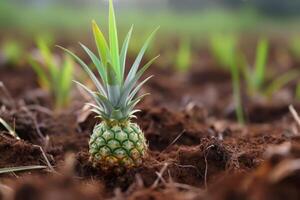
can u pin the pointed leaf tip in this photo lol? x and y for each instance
(101, 43)
(113, 41)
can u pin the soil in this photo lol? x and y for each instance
(197, 150)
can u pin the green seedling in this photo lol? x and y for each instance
(295, 46)
(12, 52)
(116, 142)
(236, 87)
(295, 49)
(298, 91)
(256, 80)
(183, 57)
(56, 77)
(223, 48)
(255, 77)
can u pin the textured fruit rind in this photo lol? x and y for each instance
(117, 146)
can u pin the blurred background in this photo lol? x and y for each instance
(262, 36)
(176, 17)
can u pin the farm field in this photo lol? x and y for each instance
(221, 120)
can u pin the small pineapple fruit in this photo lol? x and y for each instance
(116, 141)
(118, 145)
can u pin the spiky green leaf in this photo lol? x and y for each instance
(87, 70)
(129, 86)
(100, 68)
(113, 41)
(137, 88)
(138, 60)
(101, 43)
(91, 94)
(124, 52)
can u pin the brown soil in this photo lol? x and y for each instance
(197, 150)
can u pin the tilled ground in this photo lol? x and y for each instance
(197, 150)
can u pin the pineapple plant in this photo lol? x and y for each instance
(116, 142)
(54, 74)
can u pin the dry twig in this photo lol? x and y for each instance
(173, 142)
(6, 93)
(284, 169)
(206, 165)
(159, 175)
(295, 114)
(45, 158)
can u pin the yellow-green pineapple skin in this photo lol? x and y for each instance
(117, 145)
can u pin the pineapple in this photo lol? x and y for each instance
(116, 141)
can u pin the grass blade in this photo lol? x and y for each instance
(236, 93)
(47, 56)
(21, 168)
(281, 81)
(298, 91)
(260, 63)
(223, 48)
(42, 75)
(183, 57)
(65, 82)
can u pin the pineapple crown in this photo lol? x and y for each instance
(115, 97)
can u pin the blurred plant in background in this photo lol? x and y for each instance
(298, 91)
(183, 58)
(223, 47)
(209, 16)
(12, 53)
(255, 76)
(236, 89)
(295, 46)
(257, 83)
(54, 75)
(181, 23)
